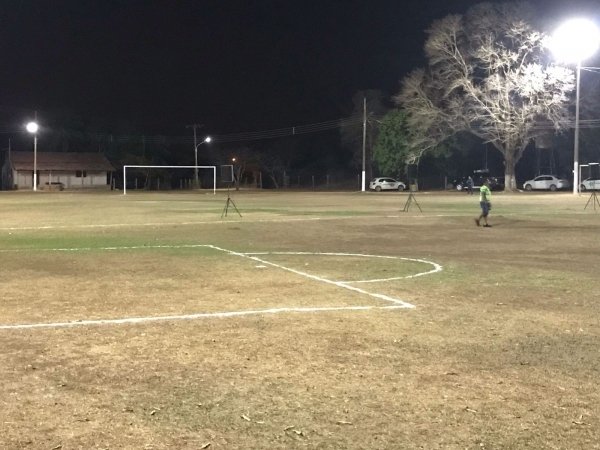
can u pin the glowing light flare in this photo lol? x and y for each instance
(575, 40)
(32, 127)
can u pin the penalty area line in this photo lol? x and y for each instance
(182, 317)
(436, 267)
(396, 303)
(340, 284)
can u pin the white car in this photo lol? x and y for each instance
(547, 182)
(386, 184)
(590, 184)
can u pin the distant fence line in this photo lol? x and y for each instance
(262, 181)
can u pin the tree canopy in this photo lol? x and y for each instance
(488, 73)
(391, 149)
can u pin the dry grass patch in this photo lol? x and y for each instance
(500, 351)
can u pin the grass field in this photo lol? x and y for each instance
(315, 320)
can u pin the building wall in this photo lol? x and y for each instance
(24, 179)
(72, 181)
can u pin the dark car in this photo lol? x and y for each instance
(479, 176)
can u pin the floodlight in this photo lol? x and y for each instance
(206, 140)
(32, 127)
(575, 40)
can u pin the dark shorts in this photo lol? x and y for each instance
(485, 208)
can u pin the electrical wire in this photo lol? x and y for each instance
(221, 138)
(250, 136)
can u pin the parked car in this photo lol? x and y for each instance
(479, 176)
(546, 182)
(590, 184)
(386, 184)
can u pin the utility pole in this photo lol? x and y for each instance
(194, 126)
(364, 144)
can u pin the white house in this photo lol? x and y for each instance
(66, 169)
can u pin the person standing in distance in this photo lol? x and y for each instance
(485, 201)
(469, 186)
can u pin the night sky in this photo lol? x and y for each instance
(155, 66)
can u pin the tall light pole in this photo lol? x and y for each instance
(194, 126)
(33, 128)
(206, 140)
(573, 42)
(364, 146)
(576, 132)
(234, 173)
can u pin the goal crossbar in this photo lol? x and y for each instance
(214, 171)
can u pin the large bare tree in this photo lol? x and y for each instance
(488, 73)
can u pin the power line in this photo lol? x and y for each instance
(354, 120)
(220, 138)
(289, 131)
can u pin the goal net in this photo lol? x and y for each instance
(169, 177)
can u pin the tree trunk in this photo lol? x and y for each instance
(510, 182)
(274, 179)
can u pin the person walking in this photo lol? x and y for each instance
(485, 202)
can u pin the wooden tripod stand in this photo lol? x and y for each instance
(228, 203)
(593, 200)
(412, 198)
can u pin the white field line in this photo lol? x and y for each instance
(436, 266)
(397, 303)
(138, 320)
(87, 249)
(185, 223)
(246, 220)
(216, 222)
(322, 280)
(161, 224)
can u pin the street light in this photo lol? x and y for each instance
(573, 42)
(206, 140)
(234, 177)
(33, 127)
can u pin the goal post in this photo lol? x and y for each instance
(213, 168)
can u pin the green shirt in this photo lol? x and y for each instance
(485, 195)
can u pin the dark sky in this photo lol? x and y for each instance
(232, 65)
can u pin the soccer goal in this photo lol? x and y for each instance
(166, 173)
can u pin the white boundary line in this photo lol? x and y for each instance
(218, 221)
(273, 220)
(397, 303)
(436, 267)
(137, 320)
(166, 224)
(341, 284)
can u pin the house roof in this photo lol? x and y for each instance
(69, 161)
